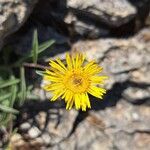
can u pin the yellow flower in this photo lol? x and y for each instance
(74, 81)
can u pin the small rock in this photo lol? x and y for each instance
(41, 119)
(46, 138)
(25, 126)
(34, 132)
(17, 142)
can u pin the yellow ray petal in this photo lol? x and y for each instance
(76, 60)
(56, 66)
(51, 78)
(69, 104)
(98, 79)
(92, 68)
(86, 97)
(96, 91)
(68, 95)
(77, 101)
(69, 61)
(73, 61)
(89, 65)
(57, 94)
(54, 86)
(82, 100)
(85, 101)
(79, 60)
(54, 72)
(61, 64)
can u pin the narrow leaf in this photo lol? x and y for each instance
(8, 109)
(44, 46)
(22, 85)
(41, 73)
(13, 95)
(9, 83)
(6, 96)
(35, 46)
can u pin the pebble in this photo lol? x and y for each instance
(34, 132)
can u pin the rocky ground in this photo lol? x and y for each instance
(116, 34)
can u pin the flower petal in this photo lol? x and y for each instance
(57, 66)
(96, 91)
(57, 94)
(77, 101)
(69, 61)
(98, 79)
(92, 68)
(85, 102)
(53, 86)
(61, 64)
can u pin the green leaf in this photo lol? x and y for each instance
(45, 45)
(6, 96)
(9, 83)
(22, 85)
(35, 46)
(42, 47)
(14, 94)
(41, 73)
(4, 118)
(6, 105)
(8, 109)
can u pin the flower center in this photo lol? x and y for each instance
(77, 83)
